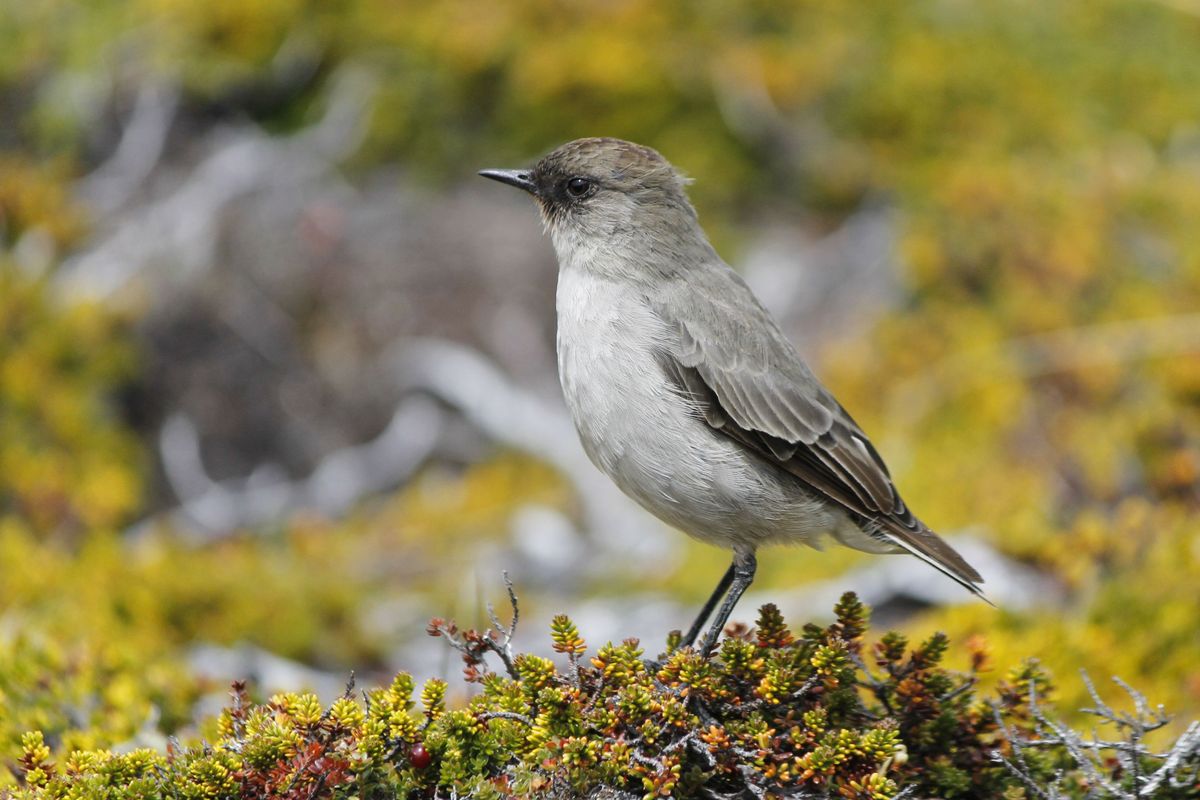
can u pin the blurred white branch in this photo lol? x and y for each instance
(178, 233)
(111, 185)
(342, 478)
(499, 409)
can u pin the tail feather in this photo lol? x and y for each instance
(930, 548)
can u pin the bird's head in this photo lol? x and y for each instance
(605, 192)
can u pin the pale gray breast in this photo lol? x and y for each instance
(613, 385)
(638, 429)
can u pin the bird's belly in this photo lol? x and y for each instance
(640, 432)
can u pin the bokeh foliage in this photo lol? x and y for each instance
(1044, 161)
(69, 465)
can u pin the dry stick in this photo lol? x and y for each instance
(1086, 754)
(504, 648)
(1188, 745)
(1021, 772)
(1074, 746)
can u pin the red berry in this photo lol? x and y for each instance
(419, 757)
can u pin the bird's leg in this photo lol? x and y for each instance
(709, 605)
(744, 565)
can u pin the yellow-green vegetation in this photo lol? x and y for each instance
(95, 633)
(1040, 383)
(773, 713)
(68, 466)
(96, 626)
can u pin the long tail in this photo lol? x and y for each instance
(933, 550)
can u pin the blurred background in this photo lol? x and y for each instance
(277, 377)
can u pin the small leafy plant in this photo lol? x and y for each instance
(773, 713)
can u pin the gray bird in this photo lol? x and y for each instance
(684, 390)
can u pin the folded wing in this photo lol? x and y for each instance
(749, 383)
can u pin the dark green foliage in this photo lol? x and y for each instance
(770, 714)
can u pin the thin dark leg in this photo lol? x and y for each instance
(709, 605)
(744, 565)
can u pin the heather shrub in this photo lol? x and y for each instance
(819, 712)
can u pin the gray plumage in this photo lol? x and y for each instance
(684, 390)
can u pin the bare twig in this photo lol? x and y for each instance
(503, 648)
(473, 645)
(1176, 767)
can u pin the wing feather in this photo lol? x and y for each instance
(749, 383)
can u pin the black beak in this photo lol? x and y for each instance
(519, 178)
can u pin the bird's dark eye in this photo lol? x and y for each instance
(578, 187)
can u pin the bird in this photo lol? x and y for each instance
(685, 391)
